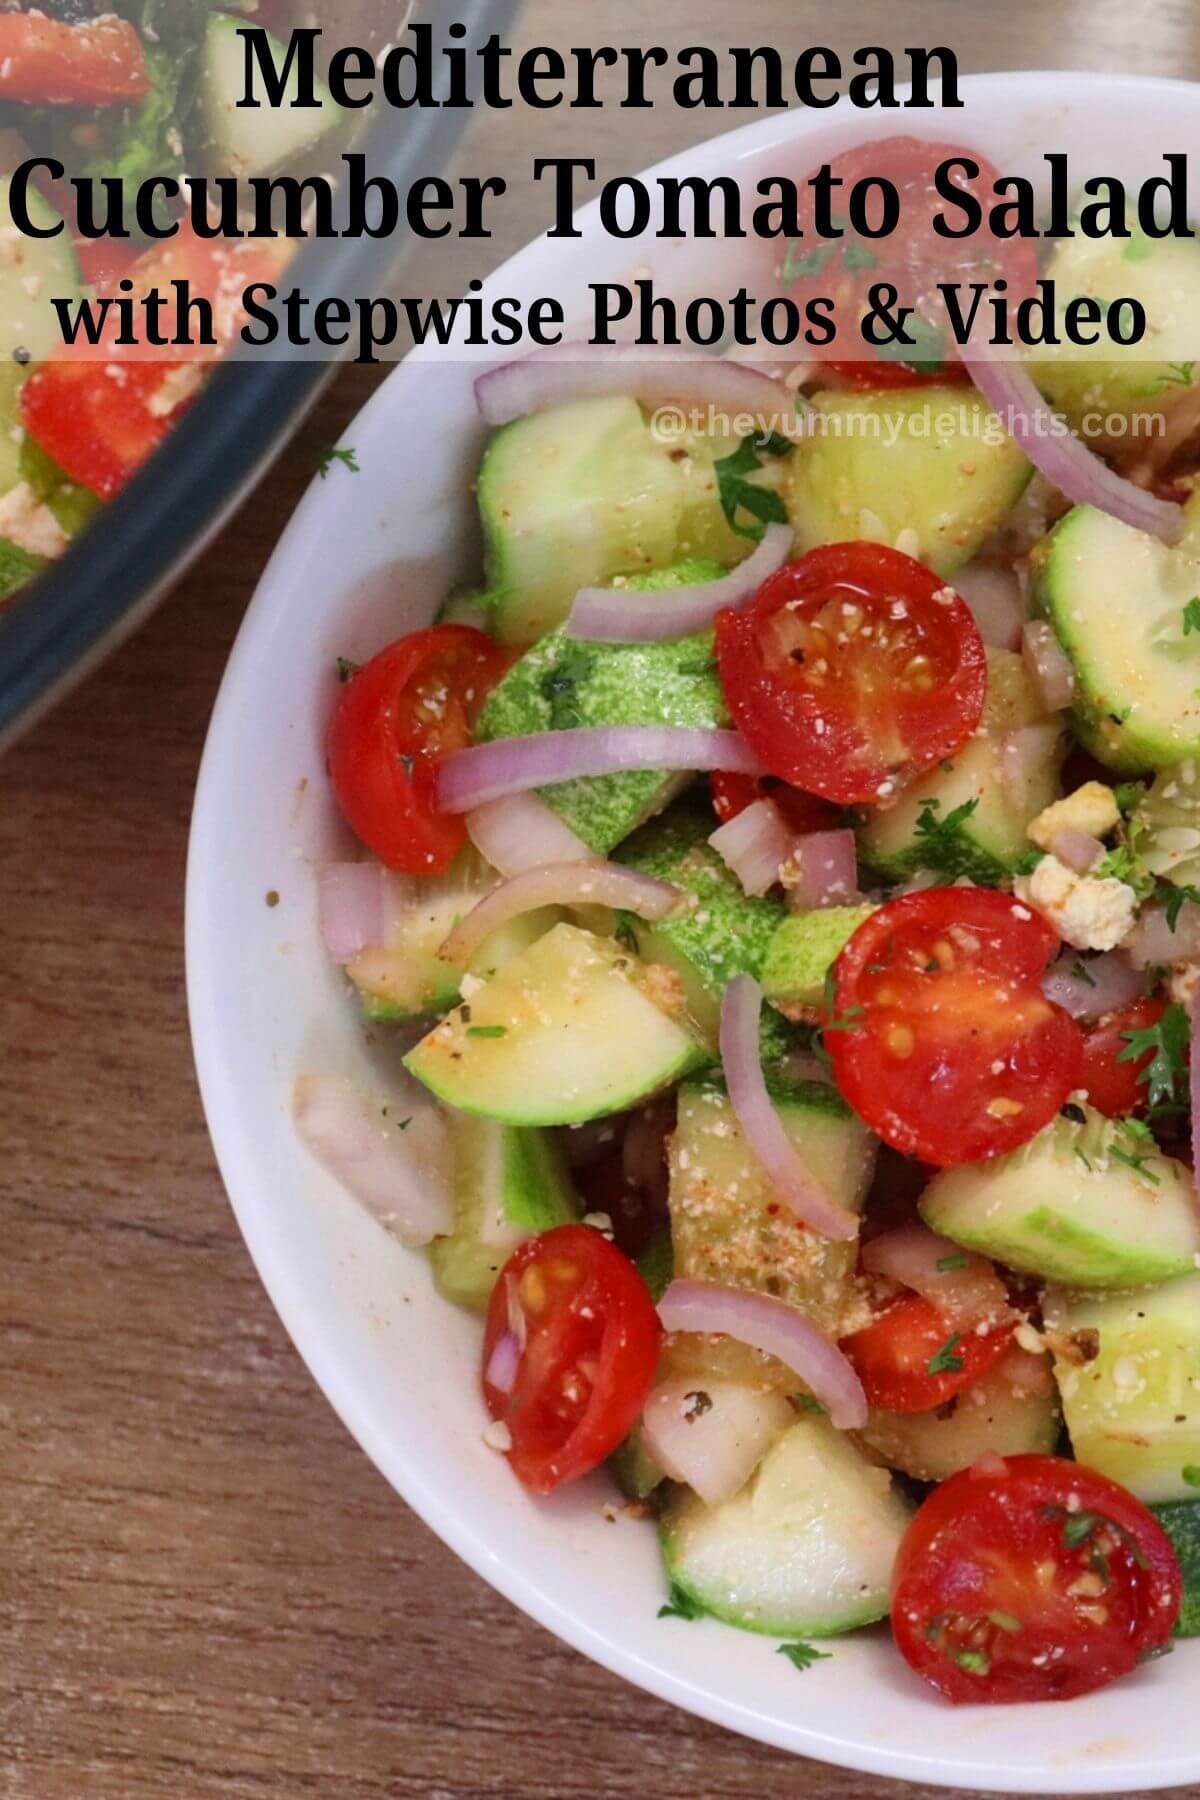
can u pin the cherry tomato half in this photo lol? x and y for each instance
(732, 794)
(591, 1347)
(398, 717)
(1114, 1085)
(942, 1039)
(909, 1360)
(913, 258)
(48, 62)
(854, 669)
(1034, 1579)
(895, 374)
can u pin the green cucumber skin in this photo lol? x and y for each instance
(1180, 1519)
(1061, 1250)
(781, 1627)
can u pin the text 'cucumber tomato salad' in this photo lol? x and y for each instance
(131, 91)
(785, 868)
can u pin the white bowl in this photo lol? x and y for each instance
(365, 558)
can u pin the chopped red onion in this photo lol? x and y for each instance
(1048, 665)
(741, 1011)
(1153, 941)
(591, 883)
(1089, 987)
(503, 1363)
(1058, 455)
(655, 377)
(1079, 850)
(822, 871)
(713, 1448)
(626, 616)
(513, 765)
(966, 1294)
(350, 908)
(521, 832)
(776, 1329)
(997, 603)
(401, 1181)
(753, 844)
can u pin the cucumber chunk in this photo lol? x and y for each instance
(1164, 831)
(1181, 1523)
(988, 842)
(508, 1184)
(405, 978)
(1116, 600)
(561, 683)
(253, 140)
(1128, 1369)
(1094, 384)
(582, 493)
(935, 461)
(726, 932)
(804, 1550)
(1011, 1411)
(727, 1225)
(572, 1029)
(802, 952)
(1068, 1207)
(33, 272)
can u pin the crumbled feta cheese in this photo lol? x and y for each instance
(1181, 982)
(29, 524)
(1090, 912)
(497, 1436)
(1092, 808)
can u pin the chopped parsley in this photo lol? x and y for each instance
(945, 1361)
(1128, 795)
(946, 1263)
(680, 1605)
(1191, 1474)
(1174, 899)
(1080, 971)
(1191, 616)
(560, 685)
(810, 263)
(345, 669)
(487, 1031)
(1136, 1163)
(938, 841)
(625, 930)
(923, 347)
(1180, 374)
(737, 494)
(330, 455)
(802, 1656)
(856, 255)
(1166, 1044)
(808, 1404)
(1096, 1533)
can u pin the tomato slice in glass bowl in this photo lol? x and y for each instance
(910, 1360)
(585, 1336)
(942, 1039)
(914, 258)
(397, 718)
(1032, 1578)
(855, 669)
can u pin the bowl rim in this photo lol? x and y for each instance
(453, 1522)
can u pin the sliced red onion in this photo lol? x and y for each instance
(1153, 941)
(513, 765)
(655, 377)
(776, 1329)
(711, 1435)
(591, 883)
(350, 908)
(625, 616)
(822, 871)
(996, 601)
(753, 845)
(1058, 455)
(966, 1294)
(503, 1363)
(741, 1011)
(1023, 754)
(521, 832)
(1089, 986)
(401, 1180)
(1079, 850)
(1048, 665)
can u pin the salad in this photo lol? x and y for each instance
(783, 876)
(142, 89)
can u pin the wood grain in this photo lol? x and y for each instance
(206, 1591)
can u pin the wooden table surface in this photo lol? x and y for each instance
(206, 1591)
